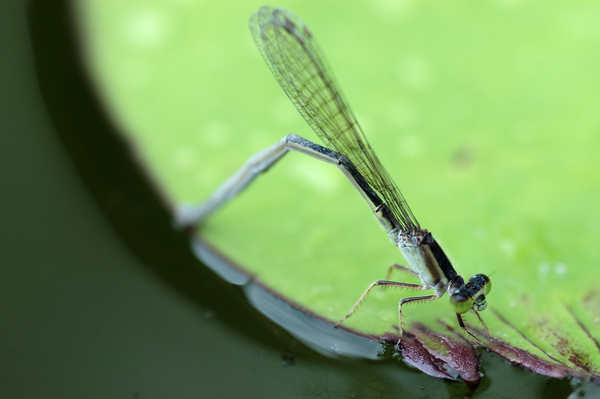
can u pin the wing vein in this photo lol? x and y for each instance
(296, 61)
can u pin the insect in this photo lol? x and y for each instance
(295, 59)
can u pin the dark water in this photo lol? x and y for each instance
(101, 298)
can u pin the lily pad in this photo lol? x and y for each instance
(485, 115)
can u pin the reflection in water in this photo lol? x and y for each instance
(311, 330)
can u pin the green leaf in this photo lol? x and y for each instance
(486, 115)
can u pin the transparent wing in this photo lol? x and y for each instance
(294, 57)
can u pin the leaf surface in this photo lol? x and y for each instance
(486, 115)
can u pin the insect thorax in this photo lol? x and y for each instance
(425, 256)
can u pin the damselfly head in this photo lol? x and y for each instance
(464, 297)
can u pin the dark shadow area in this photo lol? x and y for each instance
(116, 183)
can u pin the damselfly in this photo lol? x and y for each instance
(296, 61)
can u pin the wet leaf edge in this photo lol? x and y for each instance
(443, 356)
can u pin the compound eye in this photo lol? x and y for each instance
(483, 281)
(487, 287)
(460, 303)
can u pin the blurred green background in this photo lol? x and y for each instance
(100, 298)
(484, 113)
